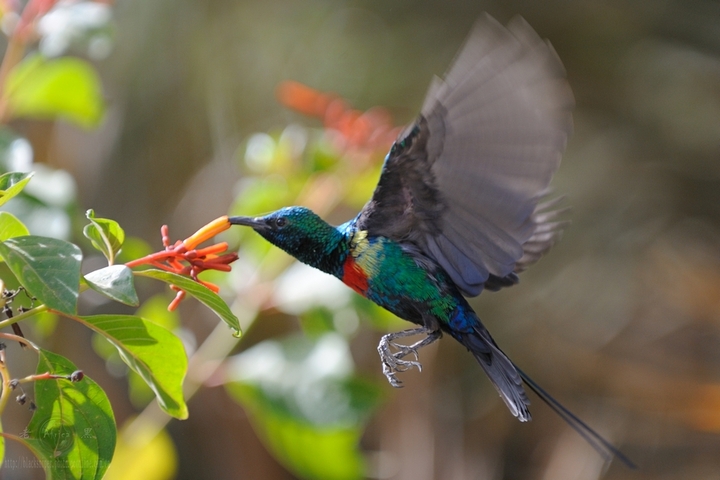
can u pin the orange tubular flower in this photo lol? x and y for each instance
(207, 232)
(183, 258)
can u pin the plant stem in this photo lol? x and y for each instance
(5, 373)
(5, 395)
(19, 339)
(23, 316)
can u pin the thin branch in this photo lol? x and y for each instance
(23, 316)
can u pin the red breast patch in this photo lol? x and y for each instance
(353, 276)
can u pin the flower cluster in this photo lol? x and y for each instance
(184, 258)
(372, 129)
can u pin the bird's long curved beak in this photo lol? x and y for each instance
(247, 222)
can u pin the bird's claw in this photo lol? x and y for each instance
(393, 362)
(404, 351)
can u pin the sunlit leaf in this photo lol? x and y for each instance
(106, 235)
(150, 350)
(47, 267)
(65, 87)
(11, 227)
(200, 292)
(12, 183)
(116, 282)
(73, 430)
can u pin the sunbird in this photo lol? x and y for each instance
(459, 207)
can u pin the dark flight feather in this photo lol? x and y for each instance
(464, 182)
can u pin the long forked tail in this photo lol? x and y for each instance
(602, 446)
(508, 380)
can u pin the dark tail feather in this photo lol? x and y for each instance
(499, 368)
(602, 446)
(508, 380)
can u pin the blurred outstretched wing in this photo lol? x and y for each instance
(464, 181)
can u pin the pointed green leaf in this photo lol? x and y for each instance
(12, 183)
(65, 87)
(206, 296)
(150, 350)
(106, 235)
(11, 227)
(73, 430)
(116, 282)
(47, 267)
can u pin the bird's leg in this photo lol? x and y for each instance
(392, 362)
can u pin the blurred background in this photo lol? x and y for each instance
(620, 322)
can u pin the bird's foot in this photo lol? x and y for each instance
(405, 350)
(393, 362)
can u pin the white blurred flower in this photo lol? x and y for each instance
(70, 21)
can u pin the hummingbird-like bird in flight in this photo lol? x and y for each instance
(457, 209)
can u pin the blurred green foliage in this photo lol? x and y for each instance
(66, 88)
(306, 404)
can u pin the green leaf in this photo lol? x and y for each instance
(116, 282)
(11, 227)
(47, 267)
(65, 87)
(150, 350)
(12, 183)
(73, 430)
(206, 296)
(106, 235)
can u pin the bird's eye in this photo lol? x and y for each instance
(280, 222)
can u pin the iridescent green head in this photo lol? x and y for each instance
(298, 231)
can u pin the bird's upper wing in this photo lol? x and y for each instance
(463, 182)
